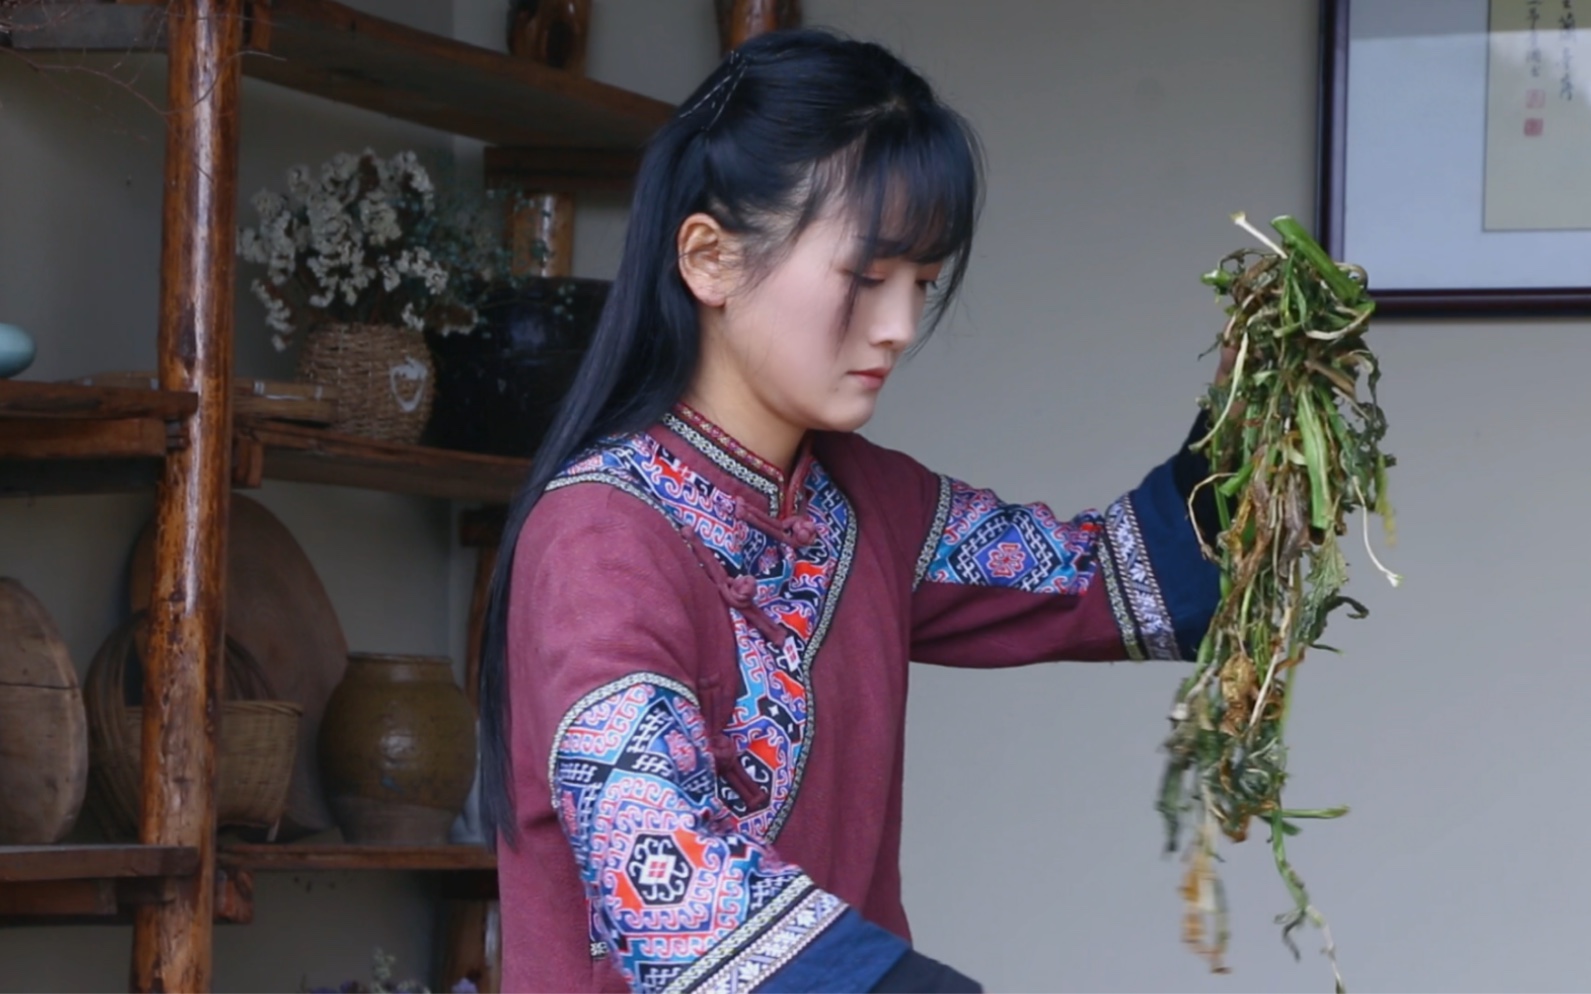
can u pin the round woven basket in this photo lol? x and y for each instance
(257, 739)
(383, 375)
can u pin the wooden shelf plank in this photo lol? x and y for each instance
(267, 857)
(567, 170)
(67, 438)
(56, 438)
(314, 455)
(333, 51)
(330, 50)
(31, 400)
(94, 862)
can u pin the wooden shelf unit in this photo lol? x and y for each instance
(550, 130)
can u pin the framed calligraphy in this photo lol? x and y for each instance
(1455, 152)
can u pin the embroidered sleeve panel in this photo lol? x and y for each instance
(1163, 591)
(1005, 584)
(978, 540)
(681, 899)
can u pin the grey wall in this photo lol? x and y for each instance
(1120, 136)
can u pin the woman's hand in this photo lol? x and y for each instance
(1223, 372)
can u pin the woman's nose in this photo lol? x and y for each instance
(894, 325)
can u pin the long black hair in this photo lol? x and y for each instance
(791, 126)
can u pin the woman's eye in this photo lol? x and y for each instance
(865, 280)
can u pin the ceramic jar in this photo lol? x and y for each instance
(499, 387)
(397, 750)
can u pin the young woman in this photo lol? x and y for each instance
(694, 686)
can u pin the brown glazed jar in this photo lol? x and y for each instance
(397, 750)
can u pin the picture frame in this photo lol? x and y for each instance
(1423, 178)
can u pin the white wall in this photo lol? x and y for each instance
(1120, 136)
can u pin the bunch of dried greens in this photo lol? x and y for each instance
(1294, 449)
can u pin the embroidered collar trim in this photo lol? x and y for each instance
(726, 443)
(729, 455)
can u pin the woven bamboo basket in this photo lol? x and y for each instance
(384, 378)
(257, 739)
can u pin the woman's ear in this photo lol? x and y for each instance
(704, 259)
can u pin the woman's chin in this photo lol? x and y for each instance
(850, 419)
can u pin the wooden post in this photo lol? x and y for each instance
(171, 942)
(739, 20)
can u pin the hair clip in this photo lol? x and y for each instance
(722, 90)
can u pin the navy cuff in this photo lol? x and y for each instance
(1190, 585)
(918, 974)
(850, 955)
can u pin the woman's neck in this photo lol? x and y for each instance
(772, 439)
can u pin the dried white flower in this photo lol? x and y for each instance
(300, 182)
(360, 240)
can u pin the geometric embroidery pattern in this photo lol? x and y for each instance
(795, 928)
(677, 892)
(1146, 625)
(981, 541)
(644, 907)
(773, 720)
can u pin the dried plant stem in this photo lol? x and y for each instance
(1293, 449)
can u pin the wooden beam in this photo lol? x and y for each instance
(296, 858)
(74, 862)
(58, 898)
(182, 675)
(575, 170)
(471, 946)
(31, 400)
(480, 529)
(314, 455)
(334, 51)
(56, 439)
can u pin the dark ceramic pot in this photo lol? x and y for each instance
(498, 387)
(397, 750)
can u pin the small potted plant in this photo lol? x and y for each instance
(359, 263)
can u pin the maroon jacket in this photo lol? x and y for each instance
(707, 685)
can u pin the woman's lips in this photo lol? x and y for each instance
(872, 377)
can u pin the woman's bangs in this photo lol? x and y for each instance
(917, 191)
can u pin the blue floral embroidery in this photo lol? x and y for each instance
(985, 542)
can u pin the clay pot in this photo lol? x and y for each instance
(397, 750)
(499, 387)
